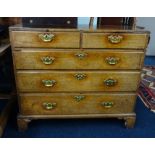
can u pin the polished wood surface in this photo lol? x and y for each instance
(31, 81)
(82, 73)
(85, 28)
(78, 59)
(66, 103)
(31, 39)
(100, 40)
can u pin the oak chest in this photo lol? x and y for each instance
(77, 73)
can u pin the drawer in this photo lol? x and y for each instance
(115, 40)
(78, 59)
(45, 39)
(75, 103)
(64, 81)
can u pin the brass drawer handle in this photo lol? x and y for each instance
(80, 76)
(49, 106)
(49, 83)
(112, 60)
(81, 55)
(47, 60)
(107, 104)
(79, 98)
(110, 82)
(115, 39)
(46, 37)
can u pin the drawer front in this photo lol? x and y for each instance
(78, 59)
(70, 104)
(46, 39)
(64, 81)
(115, 40)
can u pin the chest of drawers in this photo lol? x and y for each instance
(77, 73)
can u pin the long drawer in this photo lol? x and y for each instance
(75, 103)
(58, 81)
(78, 59)
(115, 40)
(45, 39)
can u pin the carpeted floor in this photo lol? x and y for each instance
(81, 128)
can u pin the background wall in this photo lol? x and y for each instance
(147, 22)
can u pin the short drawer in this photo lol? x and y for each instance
(115, 40)
(70, 104)
(45, 39)
(78, 59)
(65, 81)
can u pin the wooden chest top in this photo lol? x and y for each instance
(84, 28)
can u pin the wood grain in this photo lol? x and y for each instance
(32, 104)
(100, 40)
(68, 59)
(31, 39)
(30, 70)
(31, 81)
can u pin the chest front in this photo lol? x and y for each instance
(71, 73)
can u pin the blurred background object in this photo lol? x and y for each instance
(7, 21)
(54, 22)
(7, 84)
(116, 21)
